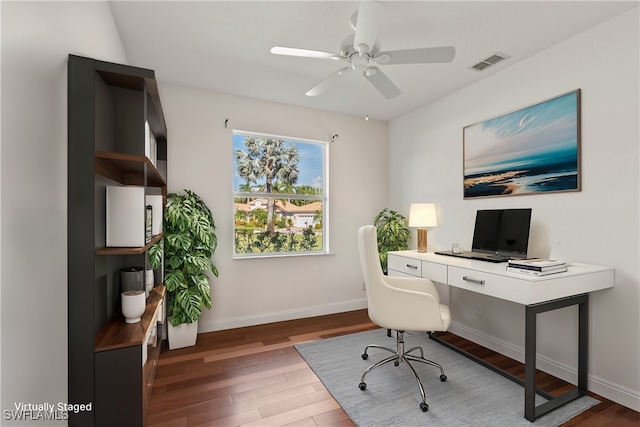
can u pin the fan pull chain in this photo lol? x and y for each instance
(366, 101)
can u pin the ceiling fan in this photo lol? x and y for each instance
(362, 52)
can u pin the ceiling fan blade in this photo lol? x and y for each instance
(427, 55)
(306, 53)
(381, 82)
(370, 14)
(329, 81)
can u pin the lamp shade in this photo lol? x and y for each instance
(423, 215)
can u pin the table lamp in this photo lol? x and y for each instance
(422, 215)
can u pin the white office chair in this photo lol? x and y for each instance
(401, 304)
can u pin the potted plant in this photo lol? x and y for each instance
(189, 243)
(393, 234)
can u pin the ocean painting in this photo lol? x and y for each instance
(530, 151)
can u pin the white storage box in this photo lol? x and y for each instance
(126, 212)
(156, 216)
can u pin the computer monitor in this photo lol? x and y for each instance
(503, 232)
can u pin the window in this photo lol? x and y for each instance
(280, 196)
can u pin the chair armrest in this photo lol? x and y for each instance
(416, 284)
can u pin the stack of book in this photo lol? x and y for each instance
(536, 266)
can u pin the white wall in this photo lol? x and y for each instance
(200, 158)
(36, 41)
(598, 225)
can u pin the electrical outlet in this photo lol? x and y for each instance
(479, 309)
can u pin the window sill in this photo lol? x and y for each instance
(282, 255)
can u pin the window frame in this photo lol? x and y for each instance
(323, 197)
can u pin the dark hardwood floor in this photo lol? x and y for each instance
(253, 376)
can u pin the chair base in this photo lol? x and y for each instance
(402, 355)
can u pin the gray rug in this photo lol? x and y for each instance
(472, 395)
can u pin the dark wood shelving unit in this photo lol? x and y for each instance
(111, 363)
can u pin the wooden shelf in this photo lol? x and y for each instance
(118, 334)
(130, 251)
(128, 169)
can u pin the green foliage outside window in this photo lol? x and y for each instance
(248, 240)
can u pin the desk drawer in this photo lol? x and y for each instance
(401, 264)
(434, 271)
(503, 287)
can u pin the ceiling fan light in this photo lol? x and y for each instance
(362, 48)
(359, 62)
(382, 59)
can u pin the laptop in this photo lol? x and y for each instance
(498, 235)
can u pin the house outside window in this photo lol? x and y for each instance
(280, 195)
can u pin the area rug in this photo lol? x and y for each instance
(472, 395)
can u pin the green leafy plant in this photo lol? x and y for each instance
(393, 234)
(189, 243)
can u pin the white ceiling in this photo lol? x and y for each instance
(224, 46)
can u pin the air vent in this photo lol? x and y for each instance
(488, 62)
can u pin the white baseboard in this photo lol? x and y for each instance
(597, 385)
(318, 310)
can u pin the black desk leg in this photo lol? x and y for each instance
(583, 343)
(530, 364)
(531, 412)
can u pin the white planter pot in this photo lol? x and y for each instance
(183, 335)
(133, 305)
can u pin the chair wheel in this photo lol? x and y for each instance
(424, 407)
(396, 363)
(443, 378)
(362, 386)
(364, 356)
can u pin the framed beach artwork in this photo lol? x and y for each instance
(534, 150)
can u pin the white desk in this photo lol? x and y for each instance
(537, 294)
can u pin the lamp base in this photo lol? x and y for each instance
(422, 240)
